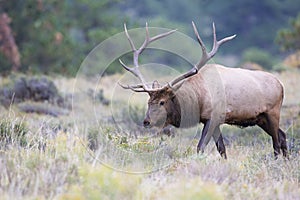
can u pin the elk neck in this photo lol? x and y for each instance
(189, 103)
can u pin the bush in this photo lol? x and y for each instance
(279, 68)
(103, 183)
(293, 60)
(98, 96)
(289, 38)
(37, 89)
(12, 132)
(258, 56)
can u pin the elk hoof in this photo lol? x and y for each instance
(200, 149)
(223, 155)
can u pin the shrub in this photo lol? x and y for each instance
(93, 139)
(258, 56)
(37, 89)
(289, 38)
(137, 114)
(12, 132)
(279, 67)
(98, 96)
(293, 60)
(103, 183)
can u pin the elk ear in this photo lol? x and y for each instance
(155, 85)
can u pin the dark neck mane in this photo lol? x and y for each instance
(174, 117)
(185, 112)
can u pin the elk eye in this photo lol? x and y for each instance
(161, 103)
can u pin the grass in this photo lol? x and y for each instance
(89, 155)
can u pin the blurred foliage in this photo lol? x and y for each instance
(54, 36)
(195, 189)
(289, 38)
(293, 60)
(254, 22)
(98, 96)
(103, 183)
(259, 56)
(137, 113)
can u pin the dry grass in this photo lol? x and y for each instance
(56, 163)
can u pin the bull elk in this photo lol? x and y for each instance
(213, 95)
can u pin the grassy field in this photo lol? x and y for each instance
(83, 155)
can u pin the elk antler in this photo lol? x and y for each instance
(205, 56)
(136, 52)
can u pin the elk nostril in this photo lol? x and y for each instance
(146, 123)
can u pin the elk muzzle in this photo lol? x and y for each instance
(147, 122)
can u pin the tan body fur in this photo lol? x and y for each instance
(247, 93)
(213, 95)
(218, 95)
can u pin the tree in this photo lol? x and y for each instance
(254, 22)
(8, 46)
(289, 38)
(54, 36)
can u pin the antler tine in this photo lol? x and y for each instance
(129, 39)
(133, 70)
(136, 52)
(161, 35)
(135, 88)
(217, 44)
(136, 73)
(199, 39)
(205, 56)
(148, 40)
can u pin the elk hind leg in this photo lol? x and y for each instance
(270, 124)
(282, 142)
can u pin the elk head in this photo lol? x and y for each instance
(163, 105)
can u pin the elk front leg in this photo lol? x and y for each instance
(218, 138)
(207, 132)
(204, 133)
